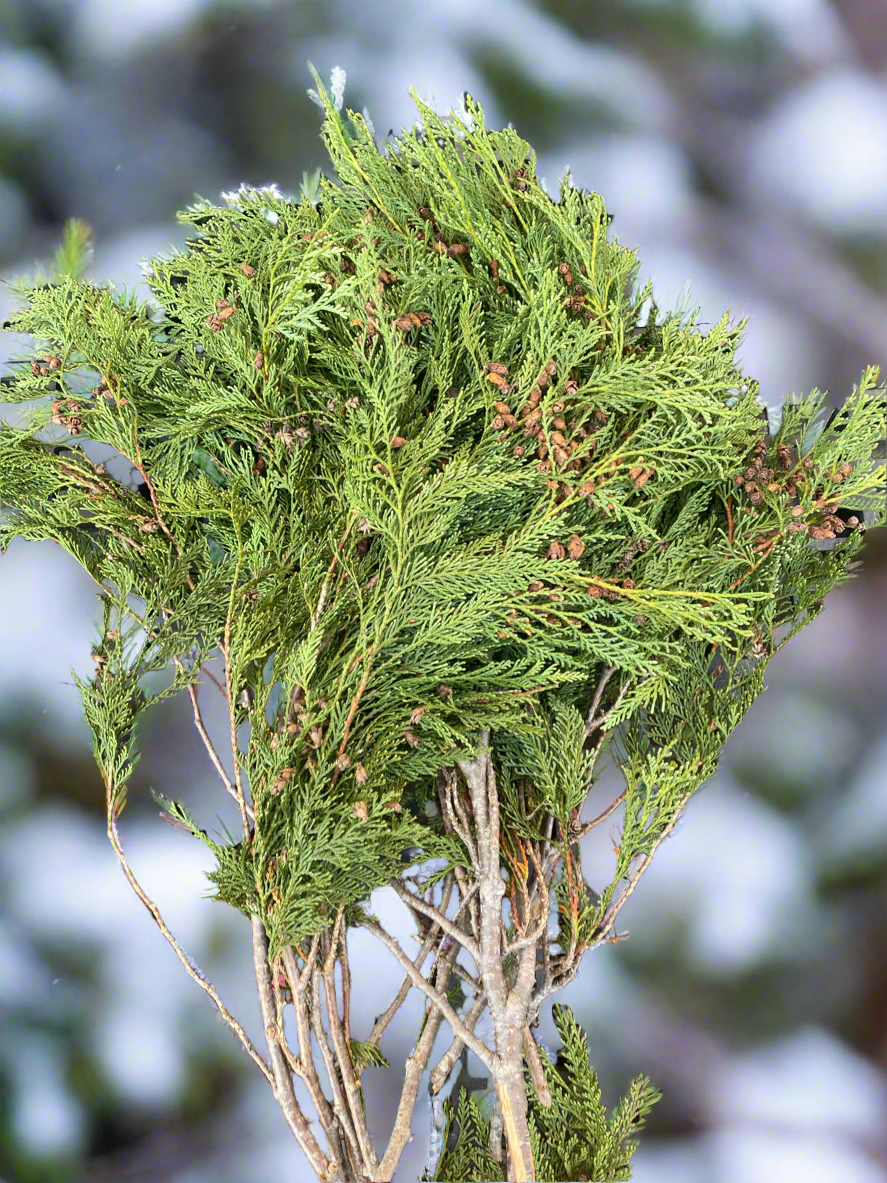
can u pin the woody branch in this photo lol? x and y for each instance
(508, 1003)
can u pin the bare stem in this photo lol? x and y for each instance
(602, 817)
(353, 1091)
(213, 755)
(415, 1066)
(508, 1003)
(312, 1080)
(413, 901)
(407, 984)
(479, 1048)
(537, 1072)
(238, 785)
(448, 1060)
(339, 1104)
(190, 967)
(284, 1091)
(605, 677)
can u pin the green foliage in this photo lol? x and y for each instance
(71, 259)
(411, 457)
(571, 1139)
(76, 247)
(466, 1155)
(366, 1055)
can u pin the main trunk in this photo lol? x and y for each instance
(513, 1099)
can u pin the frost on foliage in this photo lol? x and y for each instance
(338, 78)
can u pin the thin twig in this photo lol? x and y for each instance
(284, 1091)
(346, 983)
(467, 978)
(467, 893)
(339, 1104)
(602, 817)
(215, 681)
(448, 1060)
(193, 971)
(542, 924)
(312, 1080)
(480, 1049)
(462, 826)
(412, 901)
(537, 1072)
(445, 786)
(139, 465)
(353, 1091)
(239, 795)
(321, 600)
(406, 985)
(291, 1058)
(310, 965)
(605, 677)
(553, 982)
(615, 907)
(213, 755)
(594, 724)
(415, 1066)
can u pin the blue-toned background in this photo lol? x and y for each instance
(741, 145)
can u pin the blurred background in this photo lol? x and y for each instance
(740, 145)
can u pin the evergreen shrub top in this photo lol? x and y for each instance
(408, 453)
